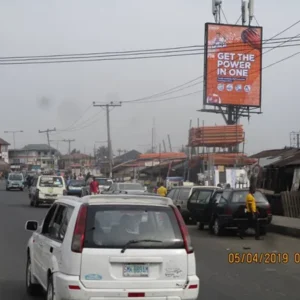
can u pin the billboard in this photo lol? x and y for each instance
(233, 63)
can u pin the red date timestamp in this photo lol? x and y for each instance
(263, 258)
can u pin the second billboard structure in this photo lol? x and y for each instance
(233, 61)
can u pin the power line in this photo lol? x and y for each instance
(76, 59)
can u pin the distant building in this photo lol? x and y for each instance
(34, 156)
(4, 150)
(75, 161)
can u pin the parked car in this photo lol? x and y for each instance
(201, 203)
(180, 196)
(129, 187)
(104, 185)
(230, 211)
(111, 247)
(74, 188)
(46, 189)
(15, 181)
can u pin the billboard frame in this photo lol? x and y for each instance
(205, 71)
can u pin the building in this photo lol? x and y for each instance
(34, 156)
(4, 150)
(76, 161)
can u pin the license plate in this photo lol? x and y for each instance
(136, 270)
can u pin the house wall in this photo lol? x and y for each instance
(45, 159)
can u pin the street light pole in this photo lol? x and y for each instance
(13, 133)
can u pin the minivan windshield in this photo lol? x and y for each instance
(131, 186)
(15, 177)
(113, 226)
(240, 197)
(51, 181)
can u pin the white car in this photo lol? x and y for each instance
(111, 247)
(46, 189)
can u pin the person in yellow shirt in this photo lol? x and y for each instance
(162, 191)
(252, 212)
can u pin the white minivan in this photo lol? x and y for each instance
(111, 247)
(46, 189)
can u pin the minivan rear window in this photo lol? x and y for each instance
(240, 197)
(113, 226)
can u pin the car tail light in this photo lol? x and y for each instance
(74, 287)
(79, 231)
(193, 286)
(184, 231)
(136, 295)
(269, 211)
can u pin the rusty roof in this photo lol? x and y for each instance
(274, 152)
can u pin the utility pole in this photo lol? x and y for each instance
(170, 146)
(47, 133)
(14, 133)
(109, 145)
(69, 141)
(164, 145)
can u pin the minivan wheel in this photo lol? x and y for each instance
(50, 289)
(201, 226)
(217, 228)
(32, 289)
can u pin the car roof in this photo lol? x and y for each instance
(118, 199)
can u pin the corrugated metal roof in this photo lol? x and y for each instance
(274, 152)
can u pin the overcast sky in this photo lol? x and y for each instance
(37, 97)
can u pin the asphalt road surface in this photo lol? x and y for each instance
(219, 278)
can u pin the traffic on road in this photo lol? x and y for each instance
(227, 267)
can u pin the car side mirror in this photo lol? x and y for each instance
(31, 225)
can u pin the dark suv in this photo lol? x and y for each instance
(201, 203)
(180, 196)
(230, 211)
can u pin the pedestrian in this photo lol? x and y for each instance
(80, 177)
(162, 191)
(94, 187)
(252, 215)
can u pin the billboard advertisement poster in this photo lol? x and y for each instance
(233, 63)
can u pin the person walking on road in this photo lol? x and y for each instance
(162, 191)
(94, 187)
(252, 214)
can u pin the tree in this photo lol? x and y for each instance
(102, 153)
(75, 151)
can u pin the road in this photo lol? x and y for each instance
(219, 279)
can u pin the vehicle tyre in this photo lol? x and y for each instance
(36, 201)
(201, 226)
(50, 289)
(263, 230)
(21, 189)
(7, 189)
(217, 227)
(31, 288)
(211, 226)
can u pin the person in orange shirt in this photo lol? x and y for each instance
(252, 213)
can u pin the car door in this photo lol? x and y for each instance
(175, 197)
(209, 207)
(222, 205)
(192, 202)
(39, 244)
(55, 236)
(183, 197)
